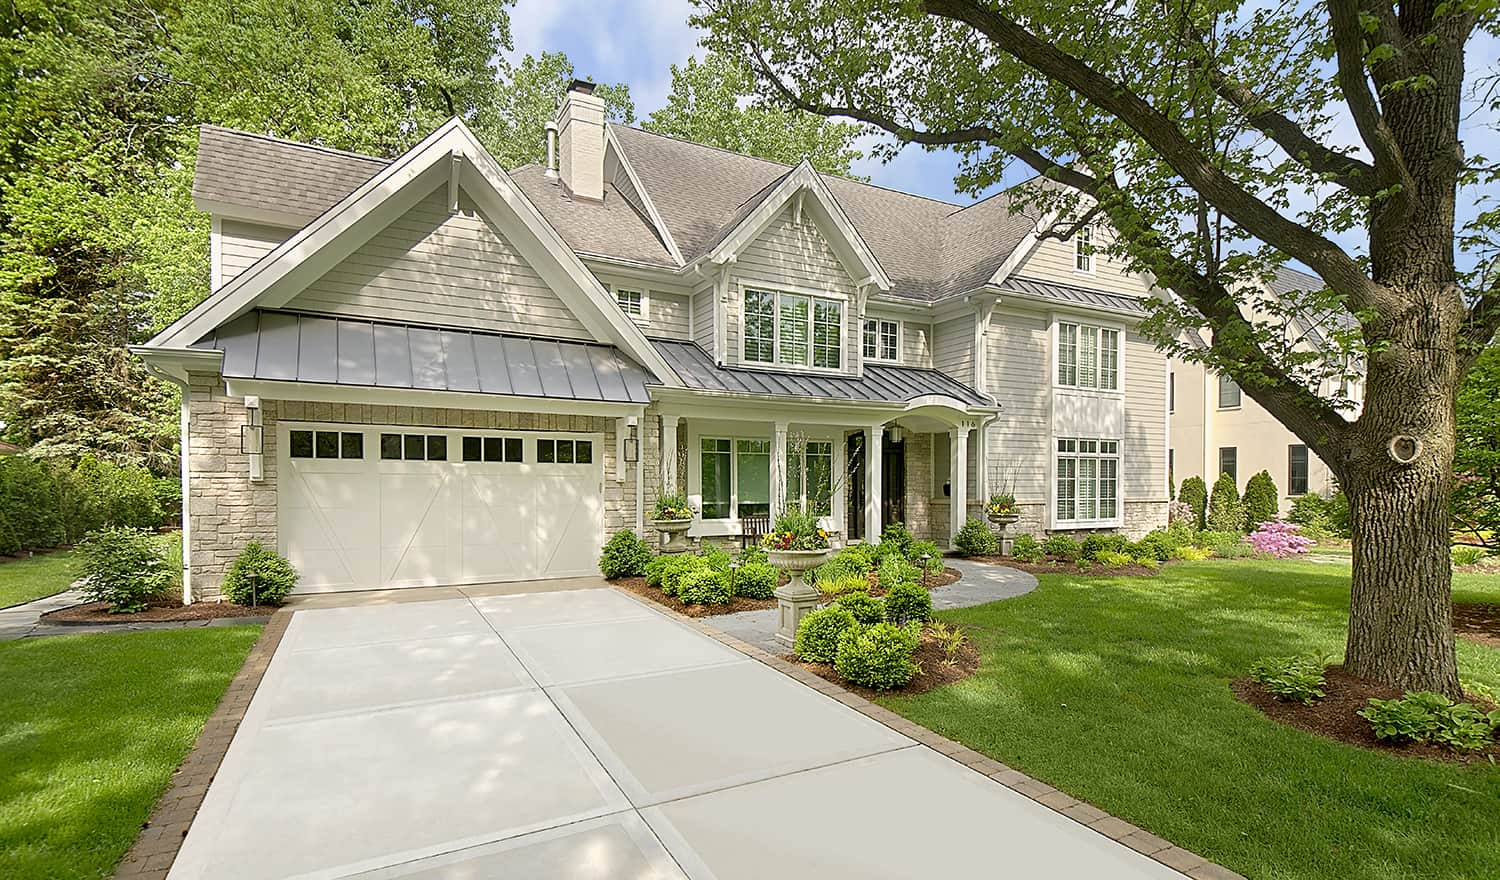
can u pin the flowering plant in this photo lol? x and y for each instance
(672, 507)
(1181, 512)
(1002, 505)
(796, 530)
(1279, 539)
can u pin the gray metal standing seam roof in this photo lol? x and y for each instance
(881, 383)
(1070, 294)
(294, 347)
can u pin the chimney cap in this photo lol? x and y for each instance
(581, 85)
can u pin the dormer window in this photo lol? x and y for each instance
(631, 301)
(792, 330)
(1083, 249)
(881, 340)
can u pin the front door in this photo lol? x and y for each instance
(892, 486)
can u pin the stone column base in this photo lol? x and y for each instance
(793, 602)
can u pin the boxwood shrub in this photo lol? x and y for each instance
(864, 607)
(975, 539)
(878, 656)
(704, 586)
(274, 577)
(1063, 547)
(626, 555)
(818, 634)
(1026, 548)
(755, 580)
(906, 602)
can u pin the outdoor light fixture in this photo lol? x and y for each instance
(632, 442)
(893, 433)
(733, 567)
(253, 439)
(926, 557)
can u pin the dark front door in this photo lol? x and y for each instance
(854, 519)
(892, 486)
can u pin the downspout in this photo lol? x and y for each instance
(184, 424)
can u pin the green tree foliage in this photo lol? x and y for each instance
(1225, 512)
(1476, 493)
(1261, 500)
(711, 103)
(513, 125)
(1194, 493)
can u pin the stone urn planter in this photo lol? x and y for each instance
(673, 534)
(1001, 521)
(795, 598)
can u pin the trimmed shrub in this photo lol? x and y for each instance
(1189, 553)
(1194, 493)
(864, 607)
(704, 585)
(878, 656)
(1062, 547)
(753, 554)
(895, 538)
(717, 557)
(1262, 501)
(1293, 679)
(895, 571)
(1423, 716)
(1114, 559)
(934, 555)
(125, 567)
(1093, 545)
(274, 577)
(975, 539)
(817, 639)
(626, 555)
(1026, 548)
(853, 561)
(1158, 545)
(906, 602)
(666, 572)
(755, 580)
(1225, 512)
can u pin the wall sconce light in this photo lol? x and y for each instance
(253, 439)
(893, 434)
(632, 441)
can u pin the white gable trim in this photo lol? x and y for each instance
(1023, 250)
(612, 145)
(847, 244)
(322, 244)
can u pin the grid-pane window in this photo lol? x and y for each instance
(716, 459)
(1088, 480)
(881, 340)
(870, 340)
(1229, 393)
(792, 332)
(1296, 467)
(492, 449)
(1083, 249)
(828, 327)
(629, 300)
(1088, 357)
(760, 326)
(1229, 462)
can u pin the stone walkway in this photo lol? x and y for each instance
(981, 583)
(24, 621)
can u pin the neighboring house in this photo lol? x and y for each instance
(431, 370)
(1216, 428)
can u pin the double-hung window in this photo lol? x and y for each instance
(1083, 249)
(1088, 480)
(1088, 357)
(736, 477)
(881, 340)
(1296, 466)
(809, 480)
(1229, 393)
(631, 301)
(793, 329)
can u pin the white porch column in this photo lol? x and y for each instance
(839, 504)
(874, 457)
(669, 453)
(778, 470)
(958, 470)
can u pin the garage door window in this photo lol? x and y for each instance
(565, 451)
(413, 447)
(507, 449)
(326, 444)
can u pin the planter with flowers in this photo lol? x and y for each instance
(796, 545)
(672, 517)
(1002, 511)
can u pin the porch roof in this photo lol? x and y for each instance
(881, 383)
(293, 347)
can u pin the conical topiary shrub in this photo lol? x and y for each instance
(1194, 493)
(1261, 500)
(1225, 512)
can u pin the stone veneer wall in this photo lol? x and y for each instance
(228, 511)
(1142, 517)
(919, 519)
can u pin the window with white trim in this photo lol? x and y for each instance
(1229, 393)
(793, 329)
(881, 340)
(1088, 357)
(814, 494)
(1088, 480)
(632, 302)
(735, 477)
(1083, 249)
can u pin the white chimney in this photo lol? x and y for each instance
(580, 125)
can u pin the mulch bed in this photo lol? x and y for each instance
(1056, 567)
(1478, 622)
(1335, 716)
(930, 656)
(157, 611)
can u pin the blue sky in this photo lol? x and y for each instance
(637, 41)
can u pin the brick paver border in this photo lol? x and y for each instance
(1138, 839)
(156, 846)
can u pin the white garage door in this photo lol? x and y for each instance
(365, 508)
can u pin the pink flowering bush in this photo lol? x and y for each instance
(1182, 512)
(1278, 538)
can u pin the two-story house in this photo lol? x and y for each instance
(433, 370)
(1218, 429)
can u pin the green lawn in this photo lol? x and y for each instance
(1117, 692)
(22, 580)
(91, 729)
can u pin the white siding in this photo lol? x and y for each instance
(703, 319)
(241, 244)
(1143, 462)
(668, 316)
(429, 266)
(1017, 376)
(916, 344)
(1054, 260)
(796, 258)
(953, 348)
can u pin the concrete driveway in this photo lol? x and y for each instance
(585, 735)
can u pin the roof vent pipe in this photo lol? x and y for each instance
(551, 150)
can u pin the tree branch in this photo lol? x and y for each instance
(1479, 327)
(1349, 43)
(1181, 155)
